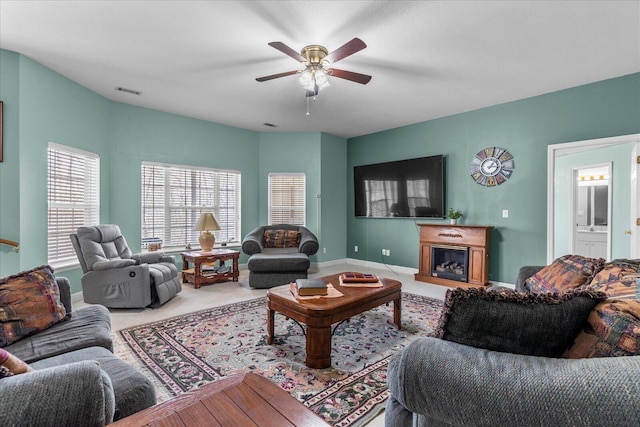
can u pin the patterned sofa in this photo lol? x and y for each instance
(279, 254)
(562, 350)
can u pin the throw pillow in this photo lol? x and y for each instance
(29, 303)
(281, 238)
(566, 272)
(618, 278)
(516, 322)
(612, 329)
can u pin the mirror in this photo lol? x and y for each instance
(564, 160)
(591, 188)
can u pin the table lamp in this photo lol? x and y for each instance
(206, 223)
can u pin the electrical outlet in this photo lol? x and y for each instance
(388, 252)
(505, 213)
(384, 251)
(324, 250)
(355, 248)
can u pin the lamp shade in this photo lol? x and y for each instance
(207, 222)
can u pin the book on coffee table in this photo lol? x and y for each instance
(306, 287)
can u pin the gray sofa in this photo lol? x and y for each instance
(274, 266)
(436, 382)
(433, 382)
(77, 381)
(117, 278)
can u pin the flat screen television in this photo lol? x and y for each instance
(412, 188)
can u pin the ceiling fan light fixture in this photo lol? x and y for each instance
(306, 80)
(314, 78)
(316, 60)
(322, 78)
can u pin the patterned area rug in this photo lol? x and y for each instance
(188, 351)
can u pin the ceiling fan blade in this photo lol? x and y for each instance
(350, 75)
(276, 76)
(288, 51)
(349, 48)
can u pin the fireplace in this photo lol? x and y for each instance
(450, 262)
(454, 255)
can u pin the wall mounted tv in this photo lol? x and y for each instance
(412, 188)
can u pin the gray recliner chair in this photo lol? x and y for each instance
(275, 258)
(117, 278)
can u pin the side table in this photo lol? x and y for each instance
(199, 276)
(240, 400)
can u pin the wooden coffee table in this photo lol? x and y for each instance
(241, 400)
(319, 314)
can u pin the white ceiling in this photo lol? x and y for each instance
(428, 59)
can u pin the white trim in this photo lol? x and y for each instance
(60, 147)
(277, 176)
(380, 266)
(573, 233)
(574, 147)
(76, 298)
(635, 202)
(174, 165)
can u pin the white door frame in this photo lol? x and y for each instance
(587, 145)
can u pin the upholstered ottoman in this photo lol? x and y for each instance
(277, 267)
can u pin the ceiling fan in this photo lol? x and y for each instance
(317, 61)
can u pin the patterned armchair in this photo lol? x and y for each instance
(117, 278)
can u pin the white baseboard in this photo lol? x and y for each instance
(506, 285)
(365, 264)
(382, 266)
(78, 297)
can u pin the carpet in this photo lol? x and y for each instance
(187, 351)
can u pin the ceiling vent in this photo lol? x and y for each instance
(129, 91)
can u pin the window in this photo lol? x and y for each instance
(73, 196)
(287, 198)
(173, 197)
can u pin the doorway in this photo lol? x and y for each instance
(591, 209)
(623, 221)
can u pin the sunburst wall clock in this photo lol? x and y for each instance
(491, 166)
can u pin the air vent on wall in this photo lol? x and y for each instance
(130, 91)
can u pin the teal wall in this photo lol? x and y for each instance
(333, 198)
(10, 167)
(322, 158)
(42, 106)
(48, 107)
(140, 134)
(291, 152)
(620, 158)
(525, 128)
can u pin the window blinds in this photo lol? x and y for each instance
(73, 195)
(287, 198)
(173, 197)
